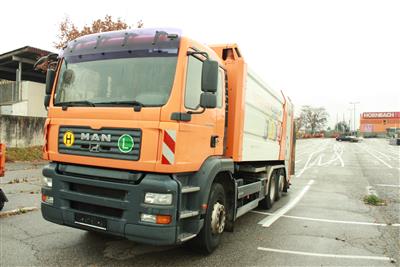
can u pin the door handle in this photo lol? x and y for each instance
(214, 141)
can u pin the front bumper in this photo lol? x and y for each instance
(79, 189)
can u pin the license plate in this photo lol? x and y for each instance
(91, 221)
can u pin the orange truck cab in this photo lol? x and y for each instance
(157, 138)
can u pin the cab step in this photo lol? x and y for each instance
(186, 236)
(188, 213)
(190, 189)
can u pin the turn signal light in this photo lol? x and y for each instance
(157, 219)
(47, 199)
(163, 219)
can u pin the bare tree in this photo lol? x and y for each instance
(314, 119)
(69, 31)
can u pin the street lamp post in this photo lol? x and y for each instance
(354, 114)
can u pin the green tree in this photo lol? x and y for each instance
(342, 127)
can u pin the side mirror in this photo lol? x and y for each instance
(50, 75)
(46, 101)
(208, 100)
(209, 76)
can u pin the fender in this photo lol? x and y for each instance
(270, 170)
(206, 175)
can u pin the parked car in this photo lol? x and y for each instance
(349, 138)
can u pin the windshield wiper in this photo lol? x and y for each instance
(137, 106)
(67, 104)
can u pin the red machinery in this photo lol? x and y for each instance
(2, 159)
(3, 197)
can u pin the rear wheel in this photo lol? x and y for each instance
(269, 199)
(280, 184)
(214, 222)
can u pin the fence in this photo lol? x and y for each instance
(21, 131)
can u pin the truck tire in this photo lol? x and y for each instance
(270, 197)
(214, 222)
(280, 185)
(1, 205)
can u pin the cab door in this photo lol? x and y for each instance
(203, 135)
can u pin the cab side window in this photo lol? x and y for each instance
(193, 83)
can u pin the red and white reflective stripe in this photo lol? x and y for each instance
(168, 147)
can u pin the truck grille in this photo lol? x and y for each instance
(114, 143)
(98, 191)
(95, 209)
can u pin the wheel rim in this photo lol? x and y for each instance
(272, 189)
(218, 218)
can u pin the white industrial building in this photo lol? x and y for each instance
(21, 87)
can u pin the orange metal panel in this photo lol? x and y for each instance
(236, 72)
(283, 132)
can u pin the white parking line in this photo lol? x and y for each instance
(388, 185)
(268, 221)
(328, 221)
(377, 157)
(326, 255)
(306, 166)
(388, 157)
(338, 150)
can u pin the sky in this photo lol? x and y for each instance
(318, 52)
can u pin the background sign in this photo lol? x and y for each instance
(377, 115)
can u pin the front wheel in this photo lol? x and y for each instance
(214, 222)
(1, 205)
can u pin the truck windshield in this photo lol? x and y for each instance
(144, 80)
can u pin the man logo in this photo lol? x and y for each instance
(94, 148)
(96, 137)
(68, 138)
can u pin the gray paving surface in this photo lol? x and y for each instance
(341, 174)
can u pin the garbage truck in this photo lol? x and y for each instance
(157, 138)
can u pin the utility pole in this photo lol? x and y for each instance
(350, 118)
(354, 114)
(337, 122)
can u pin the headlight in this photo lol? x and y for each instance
(148, 218)
(158, 199)
(47, 182)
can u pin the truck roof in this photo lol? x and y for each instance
(160, 39)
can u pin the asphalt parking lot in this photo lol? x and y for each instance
(323, 220)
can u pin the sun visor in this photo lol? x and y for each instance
(137, 41)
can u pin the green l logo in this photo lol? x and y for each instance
(125, 143)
